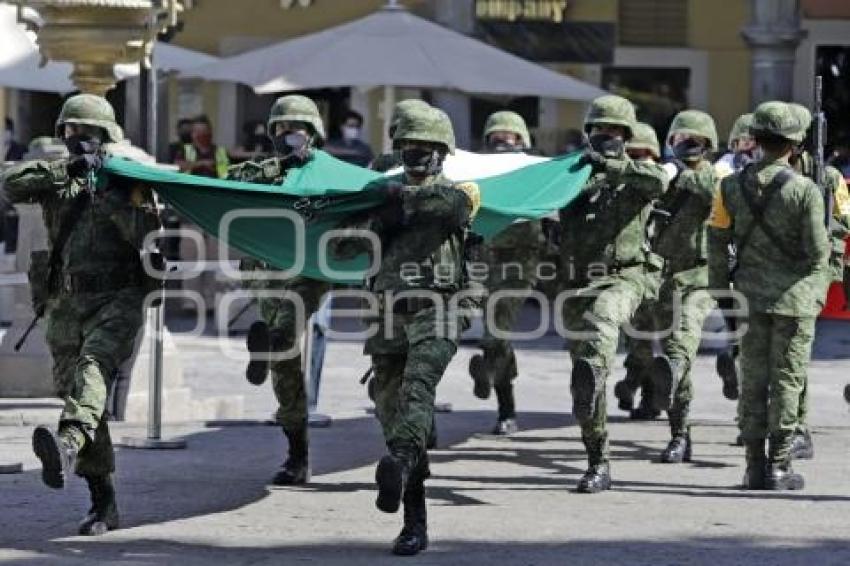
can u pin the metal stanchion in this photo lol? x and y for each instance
(148, 94)
(313, 358)
(11, 280)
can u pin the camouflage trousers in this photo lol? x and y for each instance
(410, 354)
(501, 314)
(676, 318)
(775, 353)
(287, 320)
(90, 335)
(597, 312)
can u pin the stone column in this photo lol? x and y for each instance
(458, 15)
(773, 35)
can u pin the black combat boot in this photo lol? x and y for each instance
(259, 348)
(754, 477)
(678, 450)
(780, 476)
(413, 538)
(103, 515)
(296, 469)
(391, 476)
(481, 376)
(645, 410)
(665, 381)
(802, 447)
(57, 452)
(506, 425)
(597, 478)
(727, 369)
(625, 395)
(585, 385)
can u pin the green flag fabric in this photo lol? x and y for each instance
(283, 225)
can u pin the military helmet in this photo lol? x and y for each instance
(611, 109)
(694, 123)
(90, 110)
(507, 121)
(740, 128)
(778, 119)
(296, 108)
(803, 115)
(426, 125)
(401, 108)
(644, 137)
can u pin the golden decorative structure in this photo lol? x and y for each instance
(95, 35)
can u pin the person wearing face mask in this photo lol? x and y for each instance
(391, 160)
(512, 258)
(96, 287)
(607, 268)
(349, 147)
(423, 226)
(643, 146)
(296, 129)
(741, 145)
(802, 446)
(678, 235)
(184, 137)
(201, 156)
(775, 218)
(10, 149)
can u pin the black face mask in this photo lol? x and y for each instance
(689, 149)
(186, 137)
(608, 145)
(421, 162)
(82, 144)
(291, 143)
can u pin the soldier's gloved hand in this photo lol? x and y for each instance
(593, 158)
(390, 213)
(80, 165)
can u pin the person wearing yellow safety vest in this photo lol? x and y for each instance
(202, 156)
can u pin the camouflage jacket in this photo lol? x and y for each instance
(424, 246)
(681, 238)
(606, 223)
(109, 233)
(772, 281)
(839, 226)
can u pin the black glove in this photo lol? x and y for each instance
(593, 158)
(80, 165)
(390, 213)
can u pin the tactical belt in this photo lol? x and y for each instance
(99, 283)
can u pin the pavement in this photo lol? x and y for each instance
(491, 501)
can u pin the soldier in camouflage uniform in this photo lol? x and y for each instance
(295, 127)
(775, 218)
(96, 285)
(607, 269)
(512, 258)
(679, 237)
(802, 446)
(391, 160)
(422, 226)
(742, 147)
(642, 146)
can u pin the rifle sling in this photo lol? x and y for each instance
(757, 209)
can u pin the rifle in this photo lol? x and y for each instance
(819, 138)
(20, 343)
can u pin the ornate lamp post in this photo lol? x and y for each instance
(94, 35)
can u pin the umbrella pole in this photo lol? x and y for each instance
(389, 103)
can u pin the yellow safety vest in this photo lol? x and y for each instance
(222, 162)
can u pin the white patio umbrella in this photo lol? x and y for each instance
(393, 48)
(20, 60)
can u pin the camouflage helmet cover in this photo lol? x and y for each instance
(430, 125)
(296, 108)
(740, 128)
(611, 109)
(89, 110)
(644, 137)
(402, 107)
(507, 121)
(778, 119)
(803, 114)
(694, 123)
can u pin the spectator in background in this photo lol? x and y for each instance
(349, 147)
(201, 156)
(184, 136)
(256, 144)
(10, 149)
